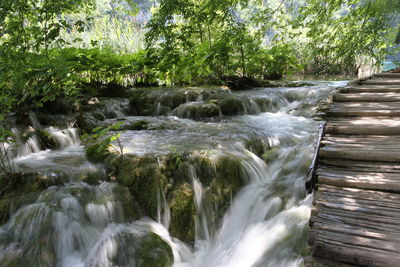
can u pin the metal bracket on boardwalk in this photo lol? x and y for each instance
(311, 177)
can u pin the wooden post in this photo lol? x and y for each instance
(311, 178)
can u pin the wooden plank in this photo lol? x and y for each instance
(367, 97)
(382, 196)
(361, 139)
(372, 239)
(373, 222)
(362, 130)
(362, 183)
(361, 166)
(367, 105)
(338, 249)
(372, 89)
(382, 82)
(362, 113)
(355, 217)
(355, 199)
(363, 155)
(387, 75)
(379, 224)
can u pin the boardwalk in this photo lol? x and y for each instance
(355, 219)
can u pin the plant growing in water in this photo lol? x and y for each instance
(101, 139)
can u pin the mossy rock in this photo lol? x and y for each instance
(196, 111)
(46, 139)
(87, 122)
(94, 153)
(270, 155)
(137, 125)
(153, 252)
(228, 104)
(18, 189)
(131, 209)
(183, 212)
(143, 177)
(241, 83)
(256, 145)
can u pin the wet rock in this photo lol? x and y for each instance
(143, 178)
(270, 155)
(151, 177)
(236, 83)
(57, 120)
(46, 139)
(95, 110)
(137, 125)
(197, 110)
(161, 101)
(95, 153)
(183, 213)
(257, 146)
(61, 105)
(152, 251)
(17, 189)
(228, 104)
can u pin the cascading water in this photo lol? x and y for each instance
(79, 224)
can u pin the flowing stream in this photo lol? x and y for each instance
(73, 223)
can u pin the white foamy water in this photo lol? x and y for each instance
(76, 224)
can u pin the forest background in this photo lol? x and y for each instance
(66, 48)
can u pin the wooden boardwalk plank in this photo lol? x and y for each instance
(367, 97)
(355, 219)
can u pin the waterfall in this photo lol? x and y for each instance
(90, 219)
(29, 146)
(64, 138)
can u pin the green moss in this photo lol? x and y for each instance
(197, 111)
(94, 154)
(137, 125)
(256, 145)
(229, 104)
(270, 155)
(99, 116)
(19, 189)
(143, 178)
(153, 252)
(131, 209)
(46, 139)
(183, 212)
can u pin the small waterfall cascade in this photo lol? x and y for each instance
(64, 138)
(253, 163)
(28, 146)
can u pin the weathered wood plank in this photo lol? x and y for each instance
(371, 89)
(338, 249)
(358, 154)
(387, 75)
(355, 217)
(362, 113)
(367, 97)
(367, 105)
(378, 224)
(354, 236)
(361, 167)
(362, 130)
(382, 82)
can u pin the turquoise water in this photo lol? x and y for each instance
(389, 65)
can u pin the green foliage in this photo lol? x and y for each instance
(342, 33)
(187, 42)
(200, 41)
(101, 139)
